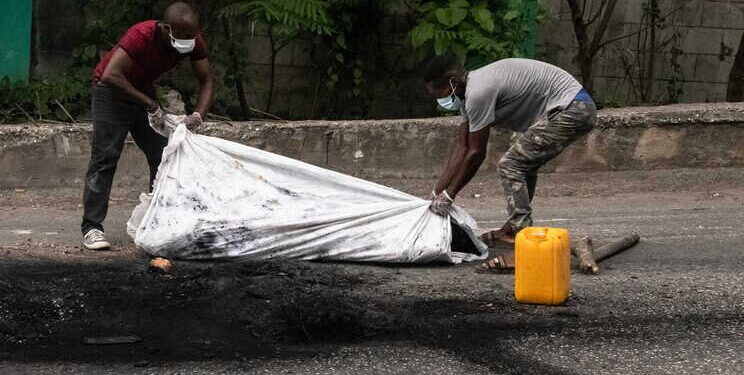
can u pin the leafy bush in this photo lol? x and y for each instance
(288, 17)
(478, 32)
(60, 97)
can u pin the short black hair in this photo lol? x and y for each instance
(441, 68)
(180, 11)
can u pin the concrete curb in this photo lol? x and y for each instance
(638, 138)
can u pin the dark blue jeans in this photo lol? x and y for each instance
(114, 116)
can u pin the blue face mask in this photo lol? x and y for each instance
(450, 102)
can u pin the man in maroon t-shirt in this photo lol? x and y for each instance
(124, 95)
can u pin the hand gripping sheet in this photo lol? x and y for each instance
(219, 199)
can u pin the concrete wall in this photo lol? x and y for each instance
(700, 37)
(640, 138)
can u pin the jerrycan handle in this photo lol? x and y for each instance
(536, 234)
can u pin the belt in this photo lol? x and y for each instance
(583, 96)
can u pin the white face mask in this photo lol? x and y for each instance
(450, 102)
(181, 45)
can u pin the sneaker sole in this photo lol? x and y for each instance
(98, 246)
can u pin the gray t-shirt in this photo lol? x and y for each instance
(515, 93)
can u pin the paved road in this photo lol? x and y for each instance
(672, 305)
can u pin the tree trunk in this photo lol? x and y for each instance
(272, 72)
(588, 47)
(735, 89)
(647, 92)
(271, 81)
(586, 66)
(584, 55)
(244, 111)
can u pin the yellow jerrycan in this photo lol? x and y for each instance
(542, 266)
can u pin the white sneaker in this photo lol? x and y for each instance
(95, 240)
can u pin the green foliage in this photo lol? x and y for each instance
(107, 21)
(353, 59)
(478, 32)
(54, 98)
(44, 97)
(286, 20)
(353, 25)
(351, 49)
(287, 17)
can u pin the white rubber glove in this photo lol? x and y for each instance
(441, 203)
(193, 121)
(157, 118)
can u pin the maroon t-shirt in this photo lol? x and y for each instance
(151, 58)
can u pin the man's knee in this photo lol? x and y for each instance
(509, 168)
(105, 159)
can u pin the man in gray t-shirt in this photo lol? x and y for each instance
(544, 103)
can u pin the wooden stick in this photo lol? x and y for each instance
(26, 113)
(275, 117)
(111, 340)
(603, 252)
(584, 252)
(217, 117)
(65, 111)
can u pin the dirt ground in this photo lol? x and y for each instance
(673, 304)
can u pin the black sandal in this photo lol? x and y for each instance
(495, 237)
(498, 264)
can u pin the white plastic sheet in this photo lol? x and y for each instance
(219, 199)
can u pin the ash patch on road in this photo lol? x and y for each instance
(200, 309)
(206, 311)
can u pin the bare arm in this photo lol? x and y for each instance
(203, 74)
(455, 158)
(114, 75)
(477, 145)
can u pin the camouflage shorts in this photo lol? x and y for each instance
(529, 151)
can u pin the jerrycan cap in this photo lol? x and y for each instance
(537, 234)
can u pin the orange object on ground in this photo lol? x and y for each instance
(160, 264)
(542, 272)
